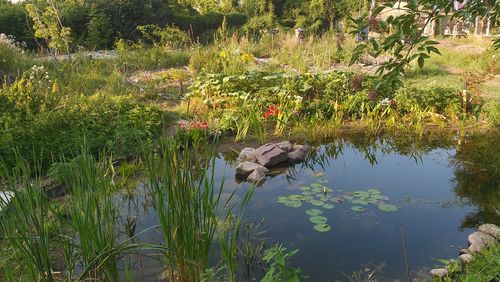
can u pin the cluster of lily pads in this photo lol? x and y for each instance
(365, 198)
(321, 197)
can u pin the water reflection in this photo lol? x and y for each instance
(445, 183)
(477, 178)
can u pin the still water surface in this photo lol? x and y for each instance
(442, 189)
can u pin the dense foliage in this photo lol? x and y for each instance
(37, 116)
(252, 101)
(98, 23)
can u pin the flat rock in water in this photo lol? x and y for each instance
(246, 168)
(439, 272)
(298, 153)
(490, 229)
(479, 240)
(247, 155)
(285, 146)
(270, 155)
(257, 175)
(5, 197)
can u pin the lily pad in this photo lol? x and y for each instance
(317, 190)
(324, 181)
(322, 227)
(357, 208)
(313, 212)
(294, 197)
(376, 197)
(361, 194)
(317, 185)
(318, 174)
(282, 200)
(387, 208)
(328, 206)
(317, 203)
(324, 198)
(293, 204)
(308, 193)
(305, 188)
(360, 202)
(317, 219)
(374, 191)
(319, 195)
(372, 201)
(337, 199)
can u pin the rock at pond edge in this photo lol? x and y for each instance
(285, 146)
(258, 175)
(270, 155)
(298, 153)
(246, 168)
(439, 272)
(479, 240)
(491, 230)
(465, 258)
(247, 155)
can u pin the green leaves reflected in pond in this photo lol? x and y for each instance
(320, 196)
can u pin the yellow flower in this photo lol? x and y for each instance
(223, 54)
(247, 58)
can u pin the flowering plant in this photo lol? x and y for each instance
(273, 110)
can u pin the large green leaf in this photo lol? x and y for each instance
(318, 219)
(313, 212)
(357, 208)
(387, 208)
(322, 227)
(293, 204)
(328, 206)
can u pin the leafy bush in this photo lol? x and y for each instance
(12, 57)
(170, 37)
(221, 60)
(492, 110)
(442, 100)
(135, 56)
(100, 31)
(35, 117)
(242, 102)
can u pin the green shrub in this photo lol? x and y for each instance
(170, 37)
(135, 56)
(492, 110)
(100, 31)
(442, 100)
(12, 58)
(37, 118)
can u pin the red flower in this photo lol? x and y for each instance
(272, 111)
(198, 125)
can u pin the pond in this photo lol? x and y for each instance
(344, 208)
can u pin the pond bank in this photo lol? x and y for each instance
(487, 236)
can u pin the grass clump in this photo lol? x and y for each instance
(484, 267)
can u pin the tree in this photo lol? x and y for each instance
(48, 26)
(403, 35)
(100, 31)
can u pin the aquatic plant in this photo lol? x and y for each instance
(322, 197)
(187, 203)
(277, 257)
(26, 225)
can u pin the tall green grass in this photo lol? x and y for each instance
(25, 225)
(188, 204)
(84, 230)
